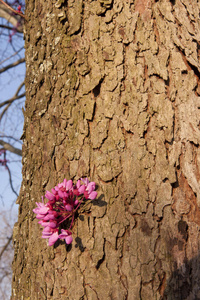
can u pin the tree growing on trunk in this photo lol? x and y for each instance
(112, 92)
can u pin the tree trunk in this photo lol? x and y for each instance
(112, 91)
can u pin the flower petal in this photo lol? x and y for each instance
(68, 239)
(49, 196)
(53, 238)
(93, 195)
(69, 185)
(81, 189)
(90, 187)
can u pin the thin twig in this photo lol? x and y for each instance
(9, 104)
(16, 63)
(11, 100)
(1, 62)
(5, 246)
(10, 180)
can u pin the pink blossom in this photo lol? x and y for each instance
(50, 196)
(88, 189)
(66, 234)
(50, 216)
(68, 185)
(53, 224)
(61, 194)
(41, 209)
(64, 201)
(53, 238)
(54, 192)
(82, 189)
(51, 234)
(92, 195)
(43, 223)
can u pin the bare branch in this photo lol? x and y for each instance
(7, 58)
(12, 19)
(6, 246)
(10, 148)
(14, 97)
(16, 63)
(10, 180)
(9, 103)
(19, 88)
(11, 100)
(8, 7)
(10, 137)
(5, 26)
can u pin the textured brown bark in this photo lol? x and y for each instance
(113, 94)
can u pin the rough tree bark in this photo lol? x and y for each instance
(112, 91)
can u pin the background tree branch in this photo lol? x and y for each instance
(15, 20)
(5, 246)
(10, 148)
(16, 63)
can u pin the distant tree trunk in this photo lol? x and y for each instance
(112, 91)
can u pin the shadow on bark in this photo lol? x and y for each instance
(99, 202)
(184, 284)
(79, 244)
(68, 247)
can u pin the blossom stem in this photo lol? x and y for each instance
(64, 219)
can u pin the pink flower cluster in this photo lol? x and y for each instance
(63, 201)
